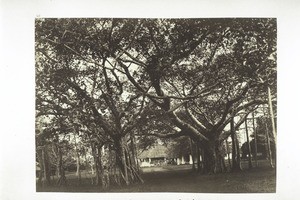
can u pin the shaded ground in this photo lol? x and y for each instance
(256, 180)
(182, 179)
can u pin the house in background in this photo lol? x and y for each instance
(160, 155)
(156, 155)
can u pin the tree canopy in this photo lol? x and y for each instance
(111, 78)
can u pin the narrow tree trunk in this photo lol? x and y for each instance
(55, 153)
(46, 167)
(233, 146)
(228, 154)
(104, 175)
(41, 164)
(223, 165)
(78, 172)
(192, 154)
(132, 168)
(92, 168)
(117, 175)
(235, 152)
(269, 146)
(134, 151)
(238, 151)
(59, 165)
(124, 164)
(272, 115)
(255, 140)
(97, 164)
(198, 157)
(249, 147)
(86, 164)
(129, 163)
(62, 178)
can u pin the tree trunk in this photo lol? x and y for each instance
(62, 180)
(121, 160)
(249, 147)
(269, 146)
(128, 171)
(46, 167)
(198, 157)
(238, 151)
(255, 140)
(87, 166)
(235, 151)
(134, 151)
(40, 159)
(97, 164)
(272, 115)
(220, 162)
(103, 169)
(78, 172)
(129, 163)
(192, 154)
(212, 161)
(228, 154)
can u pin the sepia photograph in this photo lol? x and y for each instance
(156, 105)
(135, 99)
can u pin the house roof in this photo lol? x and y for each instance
(157, 151)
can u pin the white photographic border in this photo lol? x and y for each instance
(17, 85)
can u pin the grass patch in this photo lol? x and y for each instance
(182, 179)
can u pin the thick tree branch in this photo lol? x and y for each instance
(194, 120)
(168, 135)
(153, 39)
(106, 126)
(231, 103)
(204, 119)
(236, 110)
(133, 59)
(226, 134)
(39, 114)
(134, 120)
(186, 127)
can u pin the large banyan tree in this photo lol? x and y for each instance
(198, 74)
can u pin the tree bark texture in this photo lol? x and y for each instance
(213, 159)
(235, 150)
(228, 154)
(198, 152)
(249, 146)
(62, 180)
(269, 146)
(46, 180)
(97, 164)
(124, 159)
(255, 140)
(78, 172)
(272, 115)
(192, 154)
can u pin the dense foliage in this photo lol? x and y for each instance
(110, 82)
